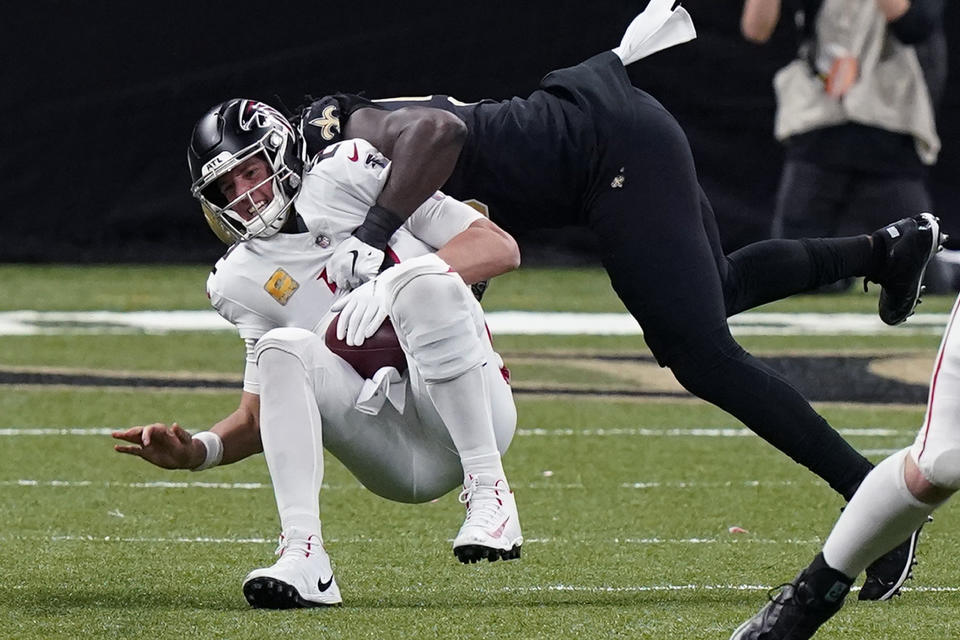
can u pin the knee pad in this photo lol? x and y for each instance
(438, 322)
(941, 468)
(299, 343)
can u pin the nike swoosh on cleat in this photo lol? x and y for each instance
(499, 530)
(323, 586)
(356, 154)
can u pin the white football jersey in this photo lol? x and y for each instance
(281, 281)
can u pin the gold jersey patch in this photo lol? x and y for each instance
(281, 286)
(479, 206)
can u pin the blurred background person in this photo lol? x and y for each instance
(856, 113)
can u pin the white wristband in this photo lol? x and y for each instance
(214, 447)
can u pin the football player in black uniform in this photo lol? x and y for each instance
(588, 148)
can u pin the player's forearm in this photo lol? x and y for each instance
(481, 252)
(240, 431)
(759, 19)
(422, 158)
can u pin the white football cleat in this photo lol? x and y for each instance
(658, 27)
(492, 527)
(302, 577)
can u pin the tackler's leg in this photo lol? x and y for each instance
(661, 262)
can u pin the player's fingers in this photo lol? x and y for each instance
(181, 434)
(130, 435)
(363, 327)
(358, 325)
(123, 448)
(151, 432)
(352, 331)
(343, 322)
(376, 321)
(370, 325)
(338, 304)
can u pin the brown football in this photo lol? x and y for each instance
(382, 349)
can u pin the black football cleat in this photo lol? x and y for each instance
(888, 572)
(910, 244)
(798, 610)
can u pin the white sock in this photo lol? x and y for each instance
(291, 433)
(882, 514)
(464, 405)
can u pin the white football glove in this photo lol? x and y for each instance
(362, 311)
(353, 262)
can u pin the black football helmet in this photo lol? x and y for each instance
(227, 135)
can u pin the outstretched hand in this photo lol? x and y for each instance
(167, 447)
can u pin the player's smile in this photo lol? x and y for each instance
(250, 178)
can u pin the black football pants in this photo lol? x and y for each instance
(663, 255)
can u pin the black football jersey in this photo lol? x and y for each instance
(525, 162)
(535, 162)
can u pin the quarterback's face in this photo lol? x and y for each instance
(251, 178)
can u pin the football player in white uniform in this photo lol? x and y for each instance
(408, 436)
(895, 498)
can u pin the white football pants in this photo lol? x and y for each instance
(308, 396)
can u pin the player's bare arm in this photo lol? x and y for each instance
(172, 447)
(480, 252)
(423, 145)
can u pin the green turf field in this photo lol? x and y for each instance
(626, 503)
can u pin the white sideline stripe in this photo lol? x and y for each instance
(29, 322)
(561, 432)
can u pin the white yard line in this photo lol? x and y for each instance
(716, 485)
(508, 589)
(70, 484)
(256, 486)
(690, 433)
(676, 587)
(500, 322)
(732, 539)
(527, 433)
